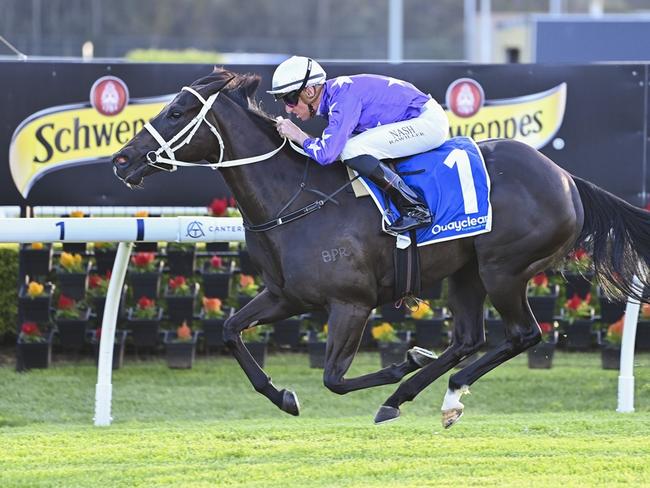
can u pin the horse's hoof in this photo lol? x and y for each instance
(386, 414)
(451, 416)
(290, 403)
(420, 356)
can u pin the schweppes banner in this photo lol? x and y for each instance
(61, 122)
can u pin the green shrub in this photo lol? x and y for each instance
(8, 290)
(169, 56)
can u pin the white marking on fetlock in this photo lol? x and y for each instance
(452, 398)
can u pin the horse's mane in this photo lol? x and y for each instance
(240, 88)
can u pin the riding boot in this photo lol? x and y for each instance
(413, 211)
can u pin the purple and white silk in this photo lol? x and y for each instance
(355, 104)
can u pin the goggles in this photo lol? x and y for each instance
(291, 99)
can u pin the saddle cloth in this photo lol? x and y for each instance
(456, 185)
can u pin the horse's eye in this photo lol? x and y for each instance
(176, 114)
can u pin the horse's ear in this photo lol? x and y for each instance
(215, 86)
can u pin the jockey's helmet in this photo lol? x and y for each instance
(294, 74)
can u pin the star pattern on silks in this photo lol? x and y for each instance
(324, 137)
(395, 81)
(314, 147)
(342, 80)
(329, 113)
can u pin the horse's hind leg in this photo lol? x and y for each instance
(466, 298)
(263, 309)
(345, 327)
(508, 295)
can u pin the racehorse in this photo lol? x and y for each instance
(318, 247)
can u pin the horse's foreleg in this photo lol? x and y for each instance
(263, 309)
(346, 323)
(466, 298)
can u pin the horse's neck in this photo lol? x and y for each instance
(261, 189)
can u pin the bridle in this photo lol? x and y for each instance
(154, 158)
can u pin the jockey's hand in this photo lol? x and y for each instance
(286, 128)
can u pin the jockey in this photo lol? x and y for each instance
(370, 118)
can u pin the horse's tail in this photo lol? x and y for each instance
(618, 236)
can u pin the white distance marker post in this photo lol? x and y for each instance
(626, 374)
(104, 387)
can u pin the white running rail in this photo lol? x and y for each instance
(124, 230)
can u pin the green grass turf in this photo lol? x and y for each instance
(207, 427)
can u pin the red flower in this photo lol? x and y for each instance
(176, 282)
(94, 281)
(579, 254)
(65, 303)
(218, 207)
(546, 327)
(145, 302)
(216, 262)
(142, 259)
(575, 301)
(30, 328)
(540, 279)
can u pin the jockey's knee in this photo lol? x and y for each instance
(363, 164)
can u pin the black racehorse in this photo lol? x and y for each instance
(337, 258)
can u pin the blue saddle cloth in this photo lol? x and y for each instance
(456, 186)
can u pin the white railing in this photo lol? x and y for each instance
(124, 230)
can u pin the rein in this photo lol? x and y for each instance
(155, 158)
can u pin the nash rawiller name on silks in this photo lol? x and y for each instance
(458, 225)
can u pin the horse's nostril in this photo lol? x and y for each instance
(120, 160)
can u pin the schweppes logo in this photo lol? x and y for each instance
(533, 119)
(84, 133)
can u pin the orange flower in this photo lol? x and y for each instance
(77, 213)
(212, 308)
(36, 245)
(645, 310)
(246, 281)
(615, 331)
(211, 304)
(184, 333)
(141, 213)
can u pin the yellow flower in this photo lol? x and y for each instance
(35, 289)
(71, 262)
(141, 213)
(76, 213)
(422, 311)
(37, 245)
(384, 332)
(66, 260)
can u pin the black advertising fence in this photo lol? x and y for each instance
(55, 145)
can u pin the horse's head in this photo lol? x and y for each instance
(184, 132)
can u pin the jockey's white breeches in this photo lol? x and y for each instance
(399, 139)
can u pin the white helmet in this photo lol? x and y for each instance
(296, 73)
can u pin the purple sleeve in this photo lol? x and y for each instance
(344, 116)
